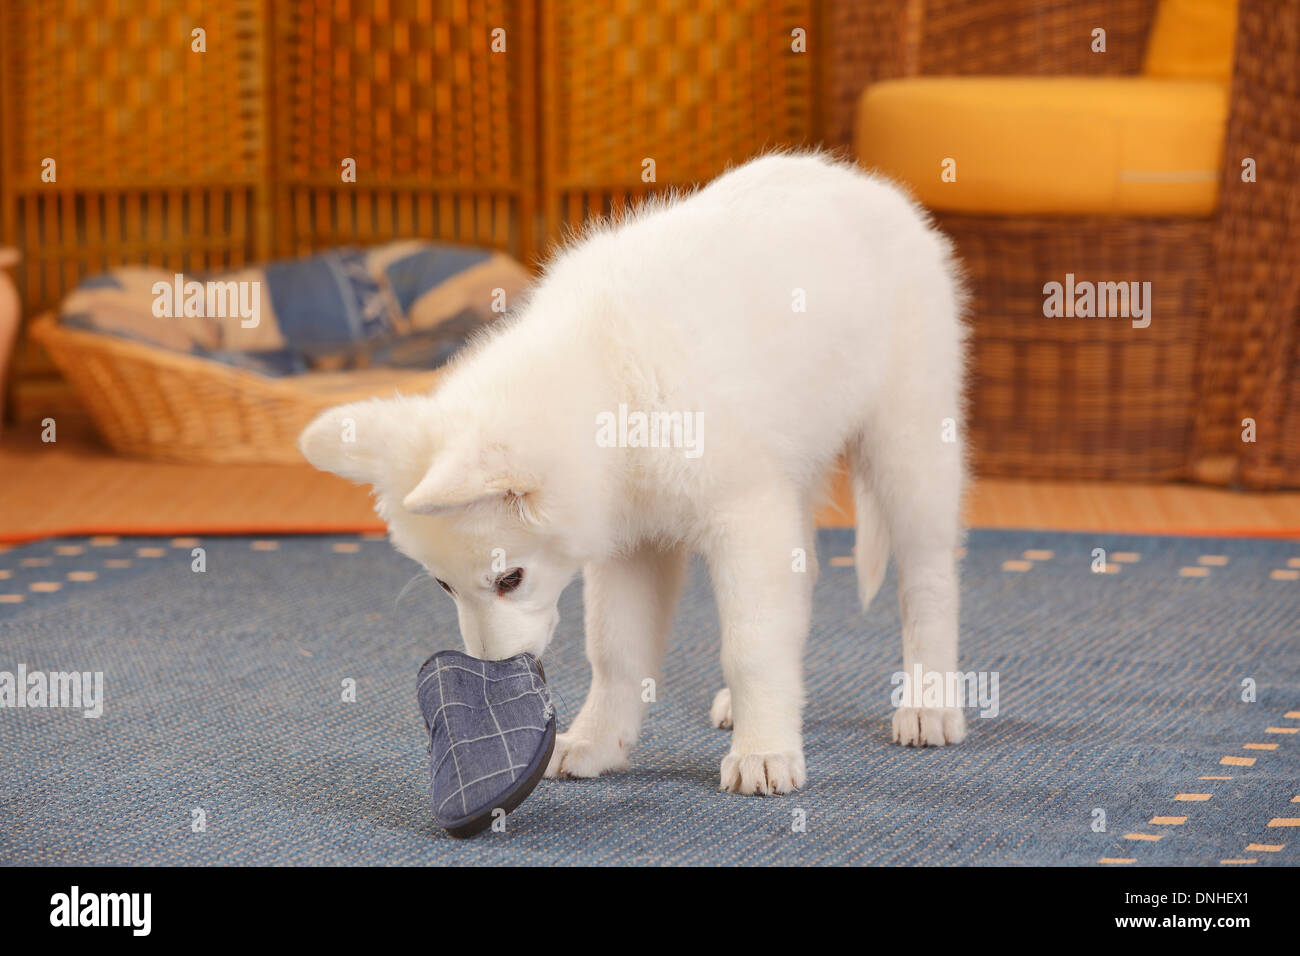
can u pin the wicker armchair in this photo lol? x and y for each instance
(1093, 400)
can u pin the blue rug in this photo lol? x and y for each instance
(226, 739)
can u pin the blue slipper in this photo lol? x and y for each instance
(491, 732)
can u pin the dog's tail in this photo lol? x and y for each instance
(871, 550)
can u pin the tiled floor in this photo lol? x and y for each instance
(75, 486)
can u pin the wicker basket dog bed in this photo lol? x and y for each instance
(155, 403)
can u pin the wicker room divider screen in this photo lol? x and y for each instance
(206, 160)
(692, 87)
(442, 129)
(121, 145)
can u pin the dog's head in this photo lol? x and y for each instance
(465, 500)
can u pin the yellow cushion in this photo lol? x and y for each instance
(1192, 40)
(1113, 145)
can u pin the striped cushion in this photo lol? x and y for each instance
(405, 304)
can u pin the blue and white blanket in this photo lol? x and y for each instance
(407, 304)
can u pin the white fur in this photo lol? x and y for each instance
(689, 306)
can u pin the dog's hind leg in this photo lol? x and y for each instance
(871, 544)
(629, 602)
(720, 712)
(916, 478)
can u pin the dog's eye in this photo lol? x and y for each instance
(445, 586)
(510, 580)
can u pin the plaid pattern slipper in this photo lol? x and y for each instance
(491, 732)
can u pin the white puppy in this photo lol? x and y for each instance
(684, 382)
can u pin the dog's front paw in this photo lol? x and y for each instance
(763, 773)
(578, 756)
(929, 726)
(720, 712)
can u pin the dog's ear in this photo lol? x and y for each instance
(464, 474)
(351, 440)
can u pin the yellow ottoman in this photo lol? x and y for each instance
(1045, 145)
